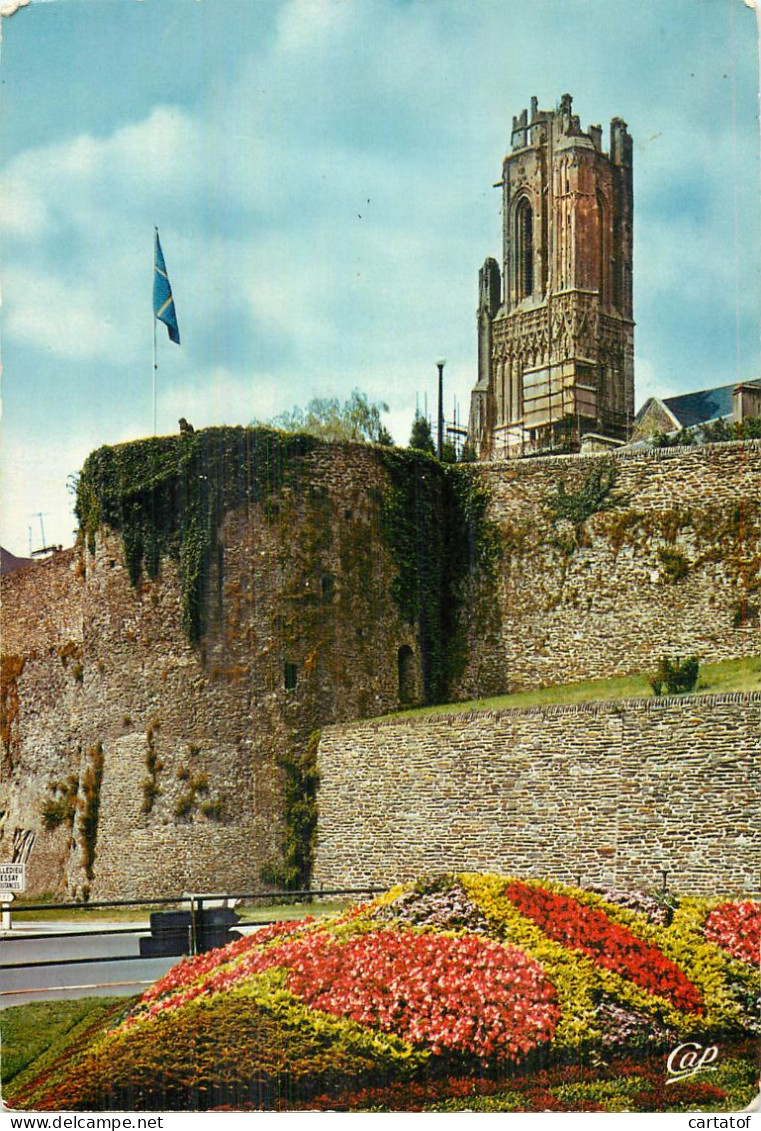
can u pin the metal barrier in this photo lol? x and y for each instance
(203, 926)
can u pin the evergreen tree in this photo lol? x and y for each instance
(420, 437)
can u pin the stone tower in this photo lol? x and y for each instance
(555, 329)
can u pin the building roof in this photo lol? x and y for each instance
(690, 409)
(9, 562)
(698, 408)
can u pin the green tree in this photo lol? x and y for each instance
(325, 417)
(448, 452)
(420, 437)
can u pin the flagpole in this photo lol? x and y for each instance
(155, 363)
(163, 309)
(155, 367)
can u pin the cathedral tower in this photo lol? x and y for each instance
(555, 329)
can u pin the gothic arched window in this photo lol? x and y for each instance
(524, 248)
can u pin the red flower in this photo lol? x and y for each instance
(464, 994)
(590, 931)
(736, 928)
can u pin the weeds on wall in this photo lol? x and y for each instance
(674, 564)
(169, 495)
(196, 786)
(151, 787)
(89, 806)
(11, 668)
(300, 817)
(595, 496)
(61, 806)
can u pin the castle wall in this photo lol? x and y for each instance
(41, 709)
(189, 794)
(609, 792)
(173, 752)
(672, 568)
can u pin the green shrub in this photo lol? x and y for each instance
(676, 677)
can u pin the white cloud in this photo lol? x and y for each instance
(63, 317)
(83, 180)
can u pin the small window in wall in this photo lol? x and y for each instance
(290, 676)
(328, 587)
(406, 663)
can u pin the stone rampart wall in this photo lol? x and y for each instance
(673, 567)
(193, 737)
(609, 792)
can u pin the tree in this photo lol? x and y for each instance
(357, 419)
(420, 437)
(449, 452)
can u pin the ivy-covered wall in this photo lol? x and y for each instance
(236, 590)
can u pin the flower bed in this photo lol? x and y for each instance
(465, 994)
(442, 993)
(736, 928)
(590, 931)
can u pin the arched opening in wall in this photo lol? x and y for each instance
(290, 676)
(406, 666)
(524, 248)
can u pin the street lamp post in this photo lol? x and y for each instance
(440, 447)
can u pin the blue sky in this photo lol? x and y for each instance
(321, 174)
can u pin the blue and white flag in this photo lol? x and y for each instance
(163, 303)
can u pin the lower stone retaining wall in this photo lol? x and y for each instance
(606, 792)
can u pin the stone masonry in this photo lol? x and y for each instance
(612, 793)
(185, 743)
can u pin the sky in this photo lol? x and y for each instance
(321, 174)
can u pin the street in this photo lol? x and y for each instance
(126, 974)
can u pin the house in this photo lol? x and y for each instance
(731, 403)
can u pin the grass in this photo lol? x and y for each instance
(714, 679)
(257, 912)
(81, 913)
(29, 1032)
(277, 912)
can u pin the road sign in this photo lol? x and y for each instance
(12, 878)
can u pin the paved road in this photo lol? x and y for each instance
(127, 974)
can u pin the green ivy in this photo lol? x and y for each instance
(302, 780)
(169, 495)
(90, 806)
(593, 496)
(434, 521)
